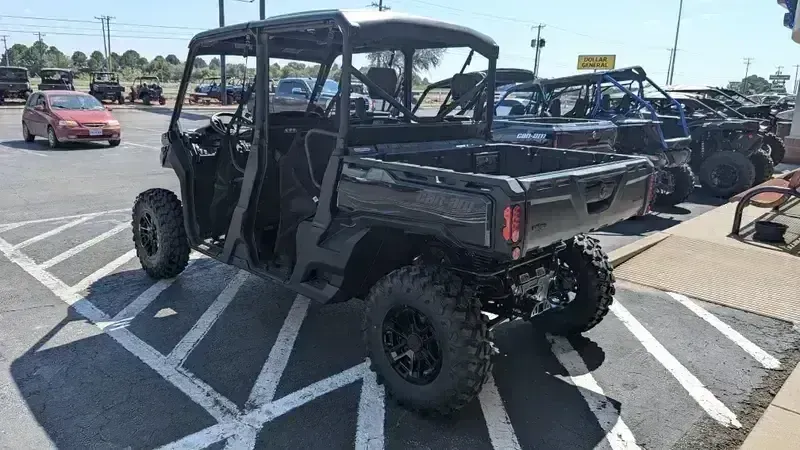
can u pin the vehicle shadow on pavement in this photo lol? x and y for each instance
(86, 391)
(41, 145)
(184, 114)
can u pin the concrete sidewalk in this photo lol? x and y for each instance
(698, 258)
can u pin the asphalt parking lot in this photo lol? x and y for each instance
(219, 359)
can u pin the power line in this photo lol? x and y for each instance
(80, 28)
(95, 35)
(91, 21)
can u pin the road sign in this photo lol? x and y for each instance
(780, 77)
(603, 62)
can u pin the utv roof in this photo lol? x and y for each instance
(502, 77)
(13, 68)
(692, 88)
(623, 74)
(305, 35)
(54, 69)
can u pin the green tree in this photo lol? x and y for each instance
(19, 55)
(79, 60)
(424, 59)
(172, 59)
(214, 64)
(142, 63)
(200, 63)
(96, 61)
(130, 59)
(754, 84)
(54, 57)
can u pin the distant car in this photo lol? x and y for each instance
(68, 116)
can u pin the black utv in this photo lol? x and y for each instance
(766, 114)
(14, 83)
(593, 102)
(57, 79)
(422, 217)
(105, 86)
(147, 89)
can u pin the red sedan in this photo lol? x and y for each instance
(68, 116)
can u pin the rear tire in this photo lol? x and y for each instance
(158, 233)
(26, 134)
(52, 139)
(739, 166)
(682, 180)
(777, 151)
(763, 165)
(595, 290)
(448, 334)
(146, 99)
(121, 99)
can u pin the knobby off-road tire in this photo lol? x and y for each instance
(146, 99)
(763, 166)
(121, 99)
(744, 169)
(158, 218)
(683, 186)
(777, 151)
(595, 289)
(460, 330)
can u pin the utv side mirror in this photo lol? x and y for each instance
(299, 91)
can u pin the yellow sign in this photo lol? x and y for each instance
(601, 62)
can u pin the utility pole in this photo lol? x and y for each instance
(41, 55)
(223, 85)
(5, 52)
(262, 9)
(747, 62)
(108, 32)
(796, 72)
(537, 44)
(380, 6)
(675, 46)
(105, 47)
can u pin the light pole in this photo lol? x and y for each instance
(675, 46)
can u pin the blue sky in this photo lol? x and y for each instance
(715, 34)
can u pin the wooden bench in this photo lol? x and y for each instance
(770, 194)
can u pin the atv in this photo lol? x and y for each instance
(727, 147)
(147, 89)
(591, 103)
(422, 217)
(14, 83)
(767, 114)
(105, 86)
(57, 79)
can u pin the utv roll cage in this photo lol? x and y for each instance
(65, 76)
(547, 89)
(503, 77)
(321, 37)
(96, 77)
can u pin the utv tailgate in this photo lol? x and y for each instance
(561, 204)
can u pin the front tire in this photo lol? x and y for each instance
(26, 134)
(763, 166)
(681, 181)
(727, 173)
(121, 99)
(114, 142)
(777, 151)
(427, 339)
(593, 278)
(52, 139)
(158, 233)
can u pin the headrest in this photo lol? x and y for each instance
(462, 83)
(385, 78)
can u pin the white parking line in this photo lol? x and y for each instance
(12, 225)
(371, 414)
(501, 432)
(618, 435)
(79, 248)
(207, 320)
(54, 231)
(267, 382)
(104, 271)
(755, 351)
(715, 408)
(151, 147)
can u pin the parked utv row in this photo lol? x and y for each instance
(436, 222)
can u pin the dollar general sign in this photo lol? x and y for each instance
(604, 62)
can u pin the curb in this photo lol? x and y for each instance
(778, 428)
(626, 252)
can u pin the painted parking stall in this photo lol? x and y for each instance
(254, 360)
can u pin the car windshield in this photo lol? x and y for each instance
(75, 102)
(330, 87)
(13, 74)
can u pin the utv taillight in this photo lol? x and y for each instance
(512, 217)
(651, 195)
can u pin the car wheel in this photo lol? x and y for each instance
(26, 134)
(114, 142)
(158, 233)
(162, 101)
(427, 340)
(52, 139)
(727, 173)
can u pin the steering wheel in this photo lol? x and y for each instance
(221, 126)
